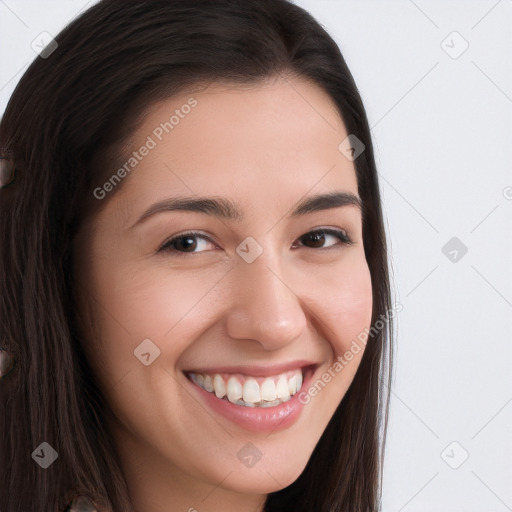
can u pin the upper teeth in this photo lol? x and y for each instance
(251, 391)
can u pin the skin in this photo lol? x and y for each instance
(265, 146)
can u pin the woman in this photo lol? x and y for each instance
(193, 267)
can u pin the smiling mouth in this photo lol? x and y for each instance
(248, 391)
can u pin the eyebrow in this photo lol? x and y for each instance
(226, 209)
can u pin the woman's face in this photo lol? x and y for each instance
(254, 297)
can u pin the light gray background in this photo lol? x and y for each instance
(442, 128)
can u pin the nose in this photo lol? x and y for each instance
(264, 304)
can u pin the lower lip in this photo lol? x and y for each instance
(258, 419)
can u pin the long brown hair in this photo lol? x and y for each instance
(61, 129)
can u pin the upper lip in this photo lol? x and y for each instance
(255, 370)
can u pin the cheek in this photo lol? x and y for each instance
(160, 302)
(133, 304)
(344, 304)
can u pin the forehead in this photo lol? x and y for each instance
(272, 141)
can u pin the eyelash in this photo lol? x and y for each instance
(166, 247)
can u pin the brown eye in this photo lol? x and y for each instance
(318, 238)
(185, 243)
